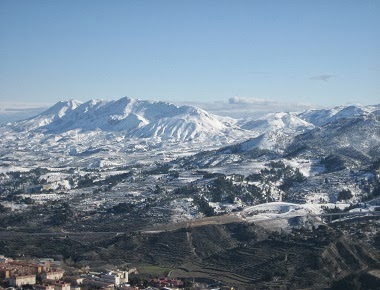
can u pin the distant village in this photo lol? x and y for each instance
(47, 274)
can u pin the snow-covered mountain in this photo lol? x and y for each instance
(277, 131)
(324, 116)
(136, 118)
(357, 137)
(274, 131)
(47, 117)
(165, 121)
(289, 122)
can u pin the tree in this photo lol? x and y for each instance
(3, 208)
(203, 206)
(135, 281)
(61, 214)
(345, 194)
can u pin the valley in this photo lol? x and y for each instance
(141, 183)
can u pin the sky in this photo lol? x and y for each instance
(236, 52)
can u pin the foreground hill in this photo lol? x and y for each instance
(241, 255)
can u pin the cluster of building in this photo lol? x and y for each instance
(109, 280)
(44, 273)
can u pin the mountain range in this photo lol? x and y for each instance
(355, 127)
(137, 118)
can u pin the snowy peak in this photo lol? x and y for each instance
(57, 111)
(356, 137)
(277, 131)
(274, 131)
(325, 116)
(184, 123)
(137, 118)
(276, 121)
(166, 121)
(60, 108)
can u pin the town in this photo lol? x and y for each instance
(48, 274)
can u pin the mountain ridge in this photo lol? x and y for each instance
(166, 121)
(137, 118)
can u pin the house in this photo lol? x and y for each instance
(74, 280)
(123, 275)
(19, 280)
(110, 278)
(52, 275)
(4, 259)
(5, 272)
(98, 284)
(26, 268)
(59, 285)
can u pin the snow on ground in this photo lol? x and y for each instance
(317, 197)
(283, 210)
(308, 167)
(43, 197)
(274, 210)
(245, 168)
(224, 207)
(183, 209)
(367, 209)
(14, 206)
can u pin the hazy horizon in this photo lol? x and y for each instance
(235, 107)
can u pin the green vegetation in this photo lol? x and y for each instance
(187, 190)
(153, 270)
(3, 209)
(278, 171)
(160, 169)
(122, 207)
(239, 254)
(345, 194)
(61, 214)
(203, 205)
(333, 163)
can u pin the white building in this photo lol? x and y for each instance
(62, 286)
(18, 280)
(52, 275)
(110, 278)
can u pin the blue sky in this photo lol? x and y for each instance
(322, 52)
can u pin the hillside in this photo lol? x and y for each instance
(240, 255)
(356, 138)
(152, 184)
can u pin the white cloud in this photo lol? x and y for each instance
(253, 101)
